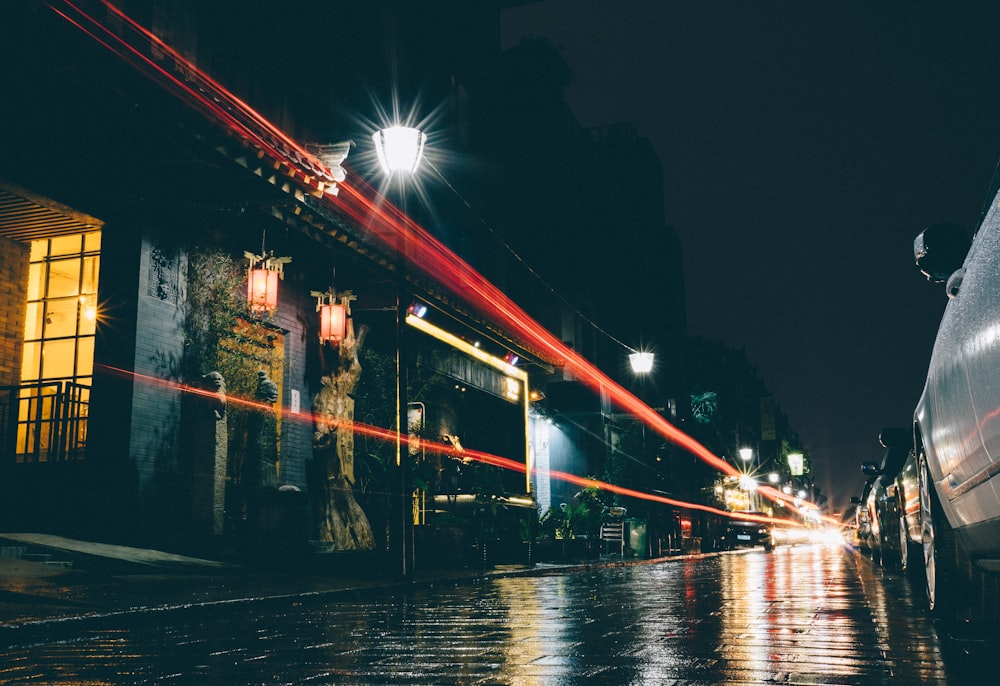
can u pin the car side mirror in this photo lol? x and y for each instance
(870, 469)
(940, 250)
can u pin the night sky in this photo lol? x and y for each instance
(804, 145)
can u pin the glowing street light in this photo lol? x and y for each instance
(642, 362)
(399, 148)
(746, 454)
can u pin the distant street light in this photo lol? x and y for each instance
(642, 362)
(746, 454)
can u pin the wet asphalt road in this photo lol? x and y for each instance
(800, 615)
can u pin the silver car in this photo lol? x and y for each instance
(957, 420)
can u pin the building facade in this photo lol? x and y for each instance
(155, 153)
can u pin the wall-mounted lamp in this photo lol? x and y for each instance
(417, 309)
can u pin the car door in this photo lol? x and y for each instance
(960, 418)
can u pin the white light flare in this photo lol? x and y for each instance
(399, 148)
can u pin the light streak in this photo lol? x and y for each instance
(386, 223)
(437, 447)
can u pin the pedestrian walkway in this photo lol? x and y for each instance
(67, 578)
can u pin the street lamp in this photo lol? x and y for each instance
(399, 150)
(642, 362)
(746, 454)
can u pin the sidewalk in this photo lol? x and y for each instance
(107, 579)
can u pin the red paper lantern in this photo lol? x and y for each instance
(332, 322)
(262, 290)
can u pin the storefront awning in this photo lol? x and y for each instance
(25, 216)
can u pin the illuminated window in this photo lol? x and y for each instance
(61, 318)
(58, 359)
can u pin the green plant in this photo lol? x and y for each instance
(220, 337)
(374, 406)
(529, 525)
(579, 517)
(558, 523)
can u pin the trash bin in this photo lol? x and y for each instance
(637, 536)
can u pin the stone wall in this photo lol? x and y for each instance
(156, 397)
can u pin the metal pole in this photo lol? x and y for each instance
(405, 481)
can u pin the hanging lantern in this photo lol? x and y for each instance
(333, 308)
(262, 290)
(262, 282)
(332, 322)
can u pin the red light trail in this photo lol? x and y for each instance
(434, 447)
(361, 203)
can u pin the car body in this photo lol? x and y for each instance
(795, 535)
(849, 526)
(863, 508)
(957, 419)
(747, 530)
(908, 503)
(883, 506)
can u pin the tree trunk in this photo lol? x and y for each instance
(342, 522)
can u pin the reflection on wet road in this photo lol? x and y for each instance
(802, 615)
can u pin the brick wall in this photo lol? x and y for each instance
(159, 346)
(13, 296)
(296, 427)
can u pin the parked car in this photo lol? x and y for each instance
(884, 509)
(744, 530)
(863, 507)
(849, 526)
(957, 419)
(910, 527)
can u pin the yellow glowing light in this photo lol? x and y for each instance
(512, 389)
(511, 373)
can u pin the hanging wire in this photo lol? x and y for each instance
(524, 264)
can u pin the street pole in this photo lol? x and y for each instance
(403, 466)
(399, 151)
